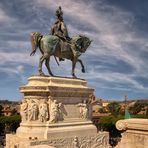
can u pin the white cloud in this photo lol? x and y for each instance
(17, 70)
(16, 57)
(4, 18)
(114, 78)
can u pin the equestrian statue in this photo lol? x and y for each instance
(59, 44)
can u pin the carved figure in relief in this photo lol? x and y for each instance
(92, 98)
(83, 109)
(105, 140)
(23, 110)
(98, 141)
(54, 112)
(60, 111)
(75, 143)
(85, 143)
(50, 101)
(43, 111)
(32, 111)
(80, 109)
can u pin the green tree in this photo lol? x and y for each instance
(147, 111)
(137, 107)
(114, 108)
(9, 123)
(102, 110)
(108, 124)
(1, 108)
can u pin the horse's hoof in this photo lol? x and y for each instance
(41, 74)
(52, 75)
(74, 76)
(83, 70)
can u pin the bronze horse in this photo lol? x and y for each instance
(51, 45)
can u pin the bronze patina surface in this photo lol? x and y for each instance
(59, 44)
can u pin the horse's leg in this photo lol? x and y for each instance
(73, 68)
(48, 66)
(42, 58)
(83, 68)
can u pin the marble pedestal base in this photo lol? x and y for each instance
(57, 112)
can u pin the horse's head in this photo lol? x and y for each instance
(34, 37)
(82, 43)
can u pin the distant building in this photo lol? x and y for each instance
(105, 103)
(9, 108)
(96, 105)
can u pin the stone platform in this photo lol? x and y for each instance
(57, 111)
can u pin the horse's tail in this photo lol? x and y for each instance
(34, 38)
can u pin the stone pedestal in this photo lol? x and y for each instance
(135, 133)
(57, 111)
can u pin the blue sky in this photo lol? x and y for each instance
(116, 62)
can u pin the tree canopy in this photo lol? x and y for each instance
(114, 108)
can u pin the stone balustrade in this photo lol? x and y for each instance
(135, 133)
